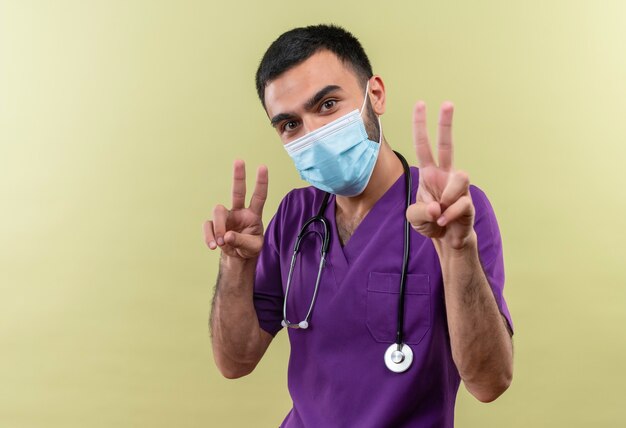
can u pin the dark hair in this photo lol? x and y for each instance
(297, 45)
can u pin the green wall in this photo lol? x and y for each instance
(119, 122)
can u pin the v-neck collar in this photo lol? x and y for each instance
(393, 199)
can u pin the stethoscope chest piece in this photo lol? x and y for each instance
(398, 358)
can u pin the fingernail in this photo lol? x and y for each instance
(220, 241)
(441, 221)
(212, 245)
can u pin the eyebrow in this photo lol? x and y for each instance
(308, 105)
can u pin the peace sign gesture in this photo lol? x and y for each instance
(443, 208)
(239, 231)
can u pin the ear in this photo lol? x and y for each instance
(377, 94)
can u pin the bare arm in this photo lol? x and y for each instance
(481, 344)
(237, 339)
(482, 348)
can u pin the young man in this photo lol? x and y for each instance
(354, 361)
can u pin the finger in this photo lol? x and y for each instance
(424, 191)
(260, 191)
(458, 185)
(420, 135)
(246, 245)
(239, 184)
(445, 146)
(209, 237)
(460, 208)
(220, 215)
(424, 196)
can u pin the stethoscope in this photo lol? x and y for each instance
(399, 356)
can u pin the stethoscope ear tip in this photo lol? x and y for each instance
(301, 324)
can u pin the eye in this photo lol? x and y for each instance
(289, 126)
(329, 104)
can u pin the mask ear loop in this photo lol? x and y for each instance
(380, 126)
(367, 87)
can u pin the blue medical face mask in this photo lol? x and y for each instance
(339, 157)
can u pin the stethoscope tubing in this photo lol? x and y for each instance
(397, 360)
(405, 257)
(319, 217)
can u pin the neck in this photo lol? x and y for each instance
(387, 170)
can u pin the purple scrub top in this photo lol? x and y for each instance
(337, 376)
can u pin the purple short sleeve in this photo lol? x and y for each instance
(330, 383)
(268, 291)
(490, 248)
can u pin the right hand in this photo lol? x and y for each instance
(239, 231)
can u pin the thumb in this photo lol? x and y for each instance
(423, 216)
(421, 213)
(247, 246)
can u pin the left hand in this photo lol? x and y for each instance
(443, 208)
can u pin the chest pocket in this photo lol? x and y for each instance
(383, 294)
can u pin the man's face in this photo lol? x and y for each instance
(312, 94)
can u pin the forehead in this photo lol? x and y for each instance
(292, 88)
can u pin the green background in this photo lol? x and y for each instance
(119, 122)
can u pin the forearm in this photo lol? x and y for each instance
(235, 332)
(481, 345)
